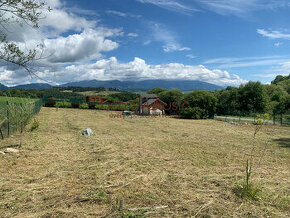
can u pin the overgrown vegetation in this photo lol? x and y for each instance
(248, 189)
(19, 115)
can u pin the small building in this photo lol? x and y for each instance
(150, 104)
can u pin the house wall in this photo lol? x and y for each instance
(155, 109)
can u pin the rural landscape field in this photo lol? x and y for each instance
(141, 167)
(144, 108)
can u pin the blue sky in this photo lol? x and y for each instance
(229, 41)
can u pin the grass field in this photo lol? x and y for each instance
(156, 167)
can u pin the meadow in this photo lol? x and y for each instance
(141, 167)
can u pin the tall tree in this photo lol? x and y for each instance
(199, 104)
(252, 98)
(172, 98)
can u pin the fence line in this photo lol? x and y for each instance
(11, 126)
(276, 119)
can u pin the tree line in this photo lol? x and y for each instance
(246, 100)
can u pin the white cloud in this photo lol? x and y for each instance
(171, 5)
(138, 69)
(118, 13)
(85, 39)
(241, 7)
(191, 56)
(161, 34)
(122, 14)
(132, 35)
(84, 46)
(246, 61)
(223, 7)
(282, 68)
(60, 21)
(278, 44)
(274, 34)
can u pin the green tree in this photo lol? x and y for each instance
(172, 98)
(199, 105)
(156, 91)
(283, 106)
(252, 98)
(123, 96)
(280, 78)
(228, 101)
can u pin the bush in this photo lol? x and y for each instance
(34, 125)
(84, 106)
(198, 105)
(194, 113)
(249, 191)
(63, 104)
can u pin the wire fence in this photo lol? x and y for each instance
(8, 124)
(275, 119)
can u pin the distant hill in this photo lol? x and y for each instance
(2, 87)
(145, 85)
(33, 86)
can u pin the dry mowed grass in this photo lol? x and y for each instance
(191, 166)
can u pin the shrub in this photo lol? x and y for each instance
(247, 191)
(20, 115)
(194, 113)
(84, 106)
(198, 105)
(63, 104)
(34, 125)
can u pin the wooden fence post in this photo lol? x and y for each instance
(8, 120)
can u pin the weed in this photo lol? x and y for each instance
(247, 191)
(95, 197)
(34, 125)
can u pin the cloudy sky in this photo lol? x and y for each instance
(225, 42)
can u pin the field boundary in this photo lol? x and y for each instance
(9, 126)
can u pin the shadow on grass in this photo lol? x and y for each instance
(9, 146)
(283, 142)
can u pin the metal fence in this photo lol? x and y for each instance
(10, 126)
(276, 119)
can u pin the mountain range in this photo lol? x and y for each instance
(145, 85)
